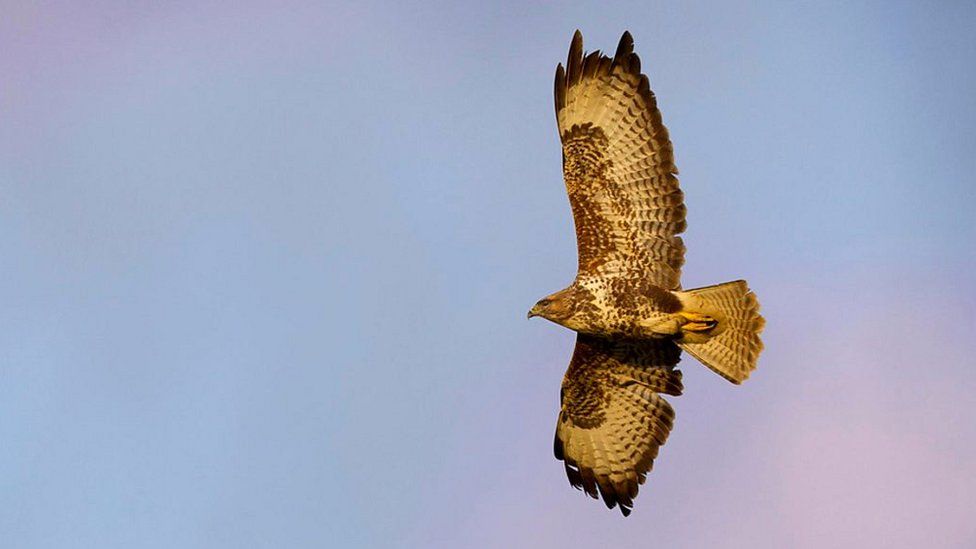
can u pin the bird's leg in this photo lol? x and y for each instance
(697, 322)
(657, 326)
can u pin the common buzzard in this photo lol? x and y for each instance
(626, 304)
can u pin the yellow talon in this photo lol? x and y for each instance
(697, 322)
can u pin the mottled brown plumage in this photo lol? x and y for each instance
(626, 302)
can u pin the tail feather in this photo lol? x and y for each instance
(732, 347)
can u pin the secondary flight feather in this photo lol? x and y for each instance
(626, 303)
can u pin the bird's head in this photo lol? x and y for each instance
(561, 307)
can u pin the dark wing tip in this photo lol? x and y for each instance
(560, 88)
(574, 61)
(591, 64)
(577, 44)
(580, 66)
(608, 495)
(572, 473)
(589, 482)
(624, 48)
(557, 447)
(634, 63)
(616, 496)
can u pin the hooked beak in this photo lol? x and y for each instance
(531, 314)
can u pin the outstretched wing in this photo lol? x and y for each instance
(613, 420)
(619, 167)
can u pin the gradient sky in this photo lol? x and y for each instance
(264, 270)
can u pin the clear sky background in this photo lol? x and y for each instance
(264, 270)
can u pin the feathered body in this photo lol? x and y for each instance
(615, 306)
(626, 303)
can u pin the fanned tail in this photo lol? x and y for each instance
(723, 328)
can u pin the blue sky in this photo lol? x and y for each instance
(266, 267)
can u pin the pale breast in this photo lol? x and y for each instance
(621, 305)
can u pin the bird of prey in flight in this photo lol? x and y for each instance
(626, 304)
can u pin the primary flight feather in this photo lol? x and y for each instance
(626, 304)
